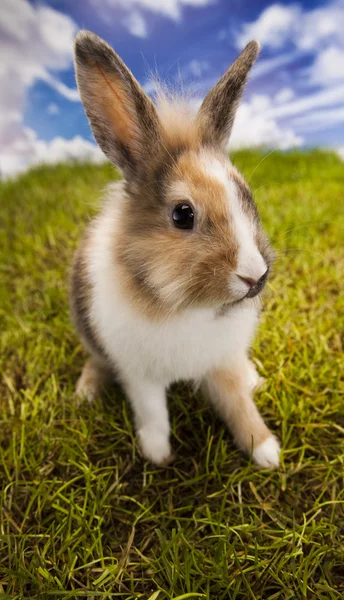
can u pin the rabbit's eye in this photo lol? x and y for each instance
(183, 216)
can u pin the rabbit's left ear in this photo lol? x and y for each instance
(217, 112)
(122, 117)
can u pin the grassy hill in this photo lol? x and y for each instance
(81, 514)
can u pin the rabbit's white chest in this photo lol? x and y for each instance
(184, 348)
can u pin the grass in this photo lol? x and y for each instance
(81, 514)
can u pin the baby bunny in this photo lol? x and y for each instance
(166, 281)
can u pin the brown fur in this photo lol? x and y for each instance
(94, 375)
(216, 115)
(179, 128)
(230, 392)
(122, 117)
(80, 302)
(113, 105)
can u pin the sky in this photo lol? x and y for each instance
(294, 98)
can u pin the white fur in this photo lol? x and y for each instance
(251, 264)
(151, 416)
(213, 167)
(267, 454)
(150, 355)
(250, 261)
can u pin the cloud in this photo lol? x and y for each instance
(254, 127)
(307, 30)
(272, 28)
(29, 151)
(328, 67)
(320, 26)
(136, 24)
(284, 95)
(69, 93)
(320, 99)
(317, 32)
(265, 66)
(314, 35)
(171, 9)
(319, 120)
(34, 42)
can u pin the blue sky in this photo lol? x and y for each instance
(295, 96)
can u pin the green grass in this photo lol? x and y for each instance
(82, 514)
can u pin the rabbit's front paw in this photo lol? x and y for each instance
(155, 445)
(266, 455)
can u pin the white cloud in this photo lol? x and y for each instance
(30, 151)
(34, 40)
(319, 120)
(307, 30)
(136, 24)
(316, 35)
(272, 28)
(321, 26)
(321, 99)
(62, 150)
(284, 95)
(267, 65)
(171, 9)
(69, 93)
(53, 109)
(253, 127)
(318, 31)
(328, 66)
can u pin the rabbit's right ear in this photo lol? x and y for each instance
(217, 112)
(122, 117)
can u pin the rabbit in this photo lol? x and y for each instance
(166, 282)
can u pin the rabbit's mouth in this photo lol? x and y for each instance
(252, 292)
(225, 308)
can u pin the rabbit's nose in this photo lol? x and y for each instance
(252, 283)
(255, 285)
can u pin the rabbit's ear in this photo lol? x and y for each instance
(217, 112)
(122, 117)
